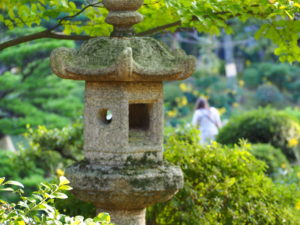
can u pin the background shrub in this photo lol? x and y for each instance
(16, 167)
(289, 176)
(263, 126)
(273, 157)
(222, 186)
(268, 94)
(55, 148)
(73, 206)
(295, 112)
(252, 77)
(52, 150)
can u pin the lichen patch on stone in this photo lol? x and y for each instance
(103, 59)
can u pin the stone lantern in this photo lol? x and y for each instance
(123, 171)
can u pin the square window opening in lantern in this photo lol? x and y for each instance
(139, 122)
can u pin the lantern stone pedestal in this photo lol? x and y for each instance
(126, 191)
(123, 171)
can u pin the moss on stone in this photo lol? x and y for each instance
(104, 52)
(140, 180)
(131, 167)
(104, 58)
(149, 160)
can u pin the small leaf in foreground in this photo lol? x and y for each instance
(63, 181)
(16, 183)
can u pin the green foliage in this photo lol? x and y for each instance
(222, 186)
(48, 153)
(216, 89)
(180, 97)
(216, 177)
(263, 126)
(289, 176)
(210, 17)
(30, 94)
(72, 206)
(37, 208)
(252, 77)
(295, 86)
(269, 95)
(52, 150)
(179, 102)
(48, 150)
(282, 75)
(273, 157)
(295, 112)
(67, 141)
(280, 23)
(171, 92)
(270, 83)
(279, 74)
(16, 167)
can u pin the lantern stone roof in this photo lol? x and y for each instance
(122, 59)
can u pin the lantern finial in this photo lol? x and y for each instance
(122, 15)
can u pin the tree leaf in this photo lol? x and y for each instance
(16, 183)
(60, 195)
(2, 179)
(7, 189)
(65, 188)
(63, 180)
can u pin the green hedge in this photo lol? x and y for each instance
(273, 157)
(263, 126)
(268, 94)
(222, 186)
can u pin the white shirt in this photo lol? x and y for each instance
(208, 121)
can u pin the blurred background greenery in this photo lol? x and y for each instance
(257, 97)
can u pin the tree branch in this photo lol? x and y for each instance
(62, 36)
(70, 17)
(160, 28)
(49, 32)
(42, 34)
(194, 18)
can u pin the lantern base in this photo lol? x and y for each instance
(126, 189)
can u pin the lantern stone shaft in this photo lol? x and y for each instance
(123, 171)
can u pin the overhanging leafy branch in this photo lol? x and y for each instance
(50, 33)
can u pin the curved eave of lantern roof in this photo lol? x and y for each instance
(122, 59)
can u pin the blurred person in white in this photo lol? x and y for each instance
(207, 120)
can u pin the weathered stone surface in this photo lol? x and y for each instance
(123, 171)
(122, 5)
(136, 124)
(122, 59)
(122, 15)
(126, 217)
(132, 187)
(124, 19)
